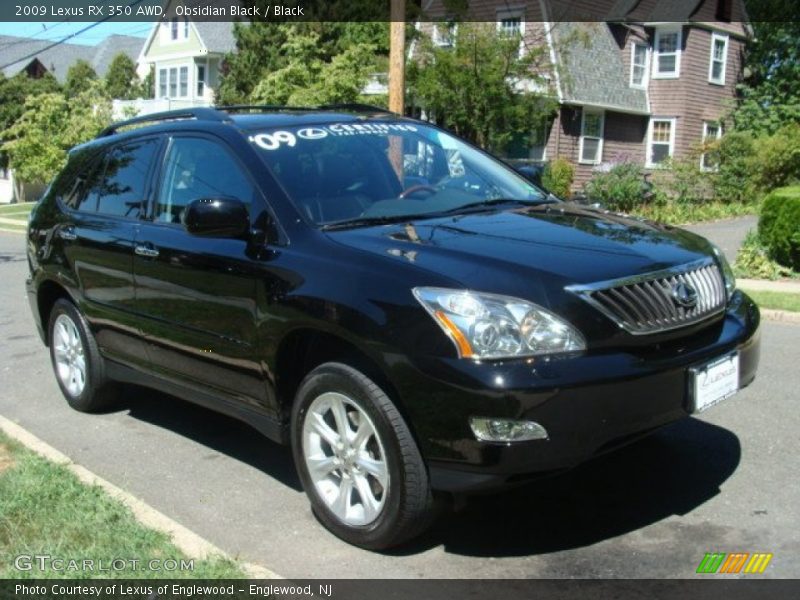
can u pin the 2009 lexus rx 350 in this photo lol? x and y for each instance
(403, 309)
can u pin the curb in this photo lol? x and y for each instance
(782, 316)
(185, 539)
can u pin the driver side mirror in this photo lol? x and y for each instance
(222, 217)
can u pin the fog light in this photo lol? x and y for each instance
(506, 430)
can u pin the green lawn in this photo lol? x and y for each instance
(14, 217)
(776, 300)
(45, 510)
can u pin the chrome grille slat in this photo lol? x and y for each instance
(644, 303)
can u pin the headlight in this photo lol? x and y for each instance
(727, 272)
(493, 326)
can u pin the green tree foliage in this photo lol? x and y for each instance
(51, 124)
(14, 91)
(481, 88)
(309, 79)
(121, 80)
(263, 49)
(79, 78)
(769, 96)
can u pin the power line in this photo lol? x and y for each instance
(59, 42)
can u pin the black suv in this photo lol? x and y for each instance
(406, 311)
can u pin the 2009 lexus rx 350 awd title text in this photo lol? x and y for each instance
(407, 312)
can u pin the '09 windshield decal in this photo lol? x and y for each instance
(276, 139)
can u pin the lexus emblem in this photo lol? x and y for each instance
(684, 295)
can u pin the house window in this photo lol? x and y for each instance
(667, 63)
(201, 81)
(510, 24)
(660, 141)
(719, 58)
(174, 28)
(184, 82)
(173, 82)
(591, 143)
(709, 160)
(185, 28)
(162, 83)
(444, 35)
(639, 57)
(510, 27)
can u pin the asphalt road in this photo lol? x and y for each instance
(728, 234)
(724, 482)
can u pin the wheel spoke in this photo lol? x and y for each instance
(340, 416)
(376, 468)
(363, 435)
(63, 334)
(322, 428)
(320, 467)
(370, 504)
(342, 502)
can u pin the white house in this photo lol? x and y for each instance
(185, 57)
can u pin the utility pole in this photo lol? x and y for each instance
(397, 56)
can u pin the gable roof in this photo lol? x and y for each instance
(108, 49)
(216, 37)
(18, 52)
(591, 69)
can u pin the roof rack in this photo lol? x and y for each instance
(355, 106)
(220, 113)
(247, 107)
(201, 114)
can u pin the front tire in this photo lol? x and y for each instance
(77, 363)
(357, 460)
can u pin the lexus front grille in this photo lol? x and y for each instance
(659, 301)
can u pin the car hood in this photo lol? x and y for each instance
(560, 243)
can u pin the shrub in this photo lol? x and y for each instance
(733, 181)
(779, 226)
(683, 181)
(777, 158)
(620, 188)
(753, 262)
(558, 176)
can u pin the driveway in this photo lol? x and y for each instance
(724, 482)
(728, 234)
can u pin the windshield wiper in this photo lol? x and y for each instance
(484, 204)
(383, 220)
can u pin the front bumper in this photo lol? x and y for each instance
(589, 404)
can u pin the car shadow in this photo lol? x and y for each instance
(668, 473)
(671, 472)
(219, 432)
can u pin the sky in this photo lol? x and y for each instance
(55, 31)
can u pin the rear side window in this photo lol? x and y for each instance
(121, 189)
(198, 168)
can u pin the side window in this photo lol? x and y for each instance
(121, 189)
(199, 168)
(74, 180)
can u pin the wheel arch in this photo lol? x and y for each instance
(47, 294)
(302, 350)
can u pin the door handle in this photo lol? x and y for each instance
(148, 251)
(67, 233)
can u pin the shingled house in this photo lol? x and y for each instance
(636, 80)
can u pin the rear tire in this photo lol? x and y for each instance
(76, 360)
(357, 460)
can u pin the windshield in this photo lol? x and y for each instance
(384, 170)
